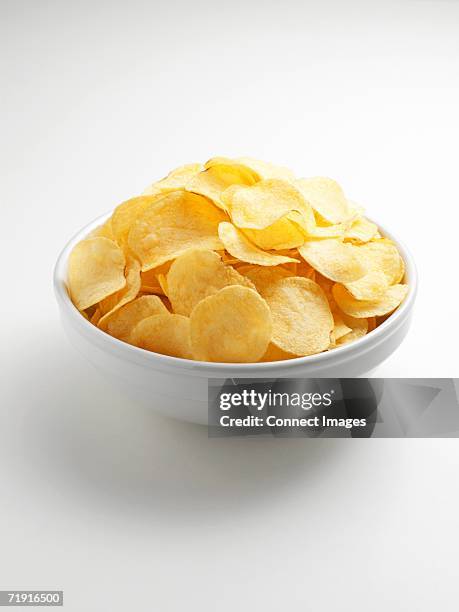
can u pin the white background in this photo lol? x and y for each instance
(106, 501)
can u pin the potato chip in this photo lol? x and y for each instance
(95, 318)
(168, 334)
(261, 205)
(218, 177)
(172, 225)
(282, 234)
(263, 277)
(274, 353)
(95, 270)
(399, 277)
(369, 287)
(124, 295)
(232, 325)
(360, 309)
(382, 261)
(103, 231)
(340, 328)
(371, 324)
(239, 246)
(302, 320)
(326, 197)
(176, 179)
(357, 329)
(334, 259)
(127, 213)
(121, 322)
(151, 289)
(197, 274)
(361, 230)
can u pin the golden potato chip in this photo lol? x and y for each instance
(263, 277)
(382, 261)
(302, 320)
(361, 230)
(197, 274)
(162, 280)
(239, 246)
(362, 309)
(357, 329)
(151, 289)
(369, 287)
(127, 213)
(168, 334)
(282, 234)
(103, 231)
(124, 295)
(177, 222)
(399, 277)
(121, 322)
(340, 328)
(274, 353)
(232, 325)
(218, 177)
(95, 270)
(326, 197)
(371, 324)
(95, 318)
(304, 269)
(338, 261)
(261, 205)
(176, 179)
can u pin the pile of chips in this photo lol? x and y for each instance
(237, 261)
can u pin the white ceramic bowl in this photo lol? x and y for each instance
(178, 387)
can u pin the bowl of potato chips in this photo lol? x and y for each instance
(233, 268)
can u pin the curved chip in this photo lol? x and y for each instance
(176, 179)
(274, 353)
(361, 230)
(197, 274)
(218, 176)
(167, 334)
(382, 261)
(121, 322)
(340, 328)
(177, 222)
(95, 270)
(362, 309)
(266, 202)
(233, 326)
(126, 294)
(103, 231)
(239, 246)
(126, 213)
(263, 277)
(338, 261)
(282, 234)
(302, 319)
(326, 197)
(369, 287)
(357, 329)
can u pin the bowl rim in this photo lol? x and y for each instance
(225, 369)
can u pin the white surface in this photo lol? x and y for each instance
(97, 101)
